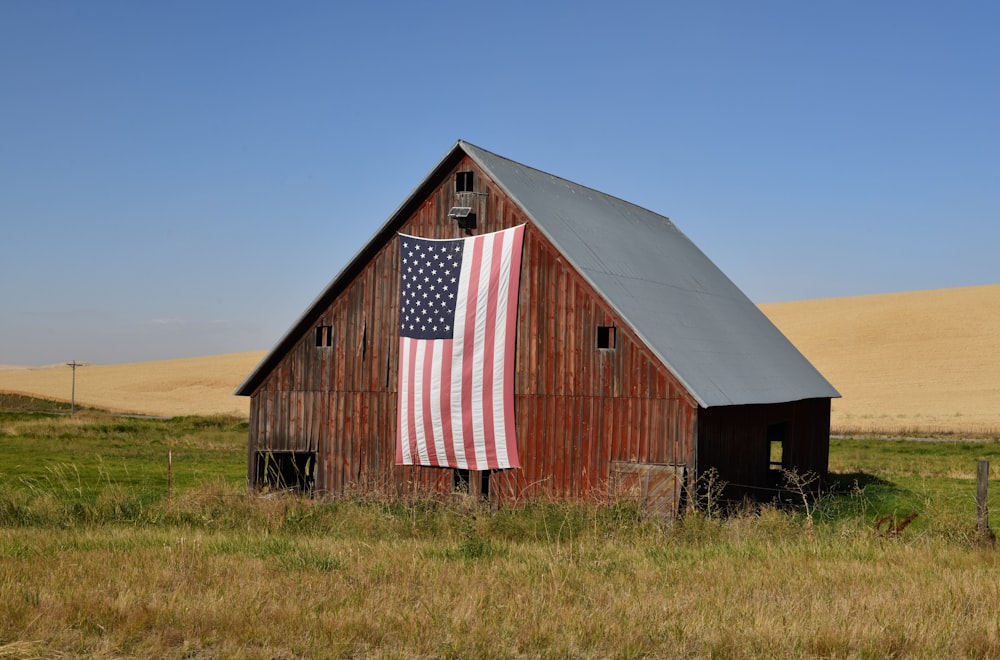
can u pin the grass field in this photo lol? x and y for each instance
(99, 559)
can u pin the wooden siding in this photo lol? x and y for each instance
(734, 441)
(578, 408)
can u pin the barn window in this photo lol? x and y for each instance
(463, 182)
(324, 335)
(286, 470)
(606, 337)
(460, 481)
(777, 434)
(470, 482)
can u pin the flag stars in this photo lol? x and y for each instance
(428, 292)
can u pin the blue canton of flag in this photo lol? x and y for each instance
(429, 287)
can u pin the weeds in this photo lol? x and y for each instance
(805, 487)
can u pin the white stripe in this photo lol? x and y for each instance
(500, 346)
(438, 428)
(479, 351)
(418, 403)
(404, 400)
(458, 348)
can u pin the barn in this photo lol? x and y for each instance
(637, 364)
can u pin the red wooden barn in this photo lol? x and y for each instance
(638, 363)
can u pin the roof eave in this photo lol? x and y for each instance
(329, 293)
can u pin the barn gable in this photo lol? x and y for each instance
(626, 333)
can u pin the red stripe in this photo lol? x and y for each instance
(449, 439)
(469, 337)
(425, 390)
(489, 357)
(411, 421)
(511, 338)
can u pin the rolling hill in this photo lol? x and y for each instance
(923, 361)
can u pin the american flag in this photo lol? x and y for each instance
(458, 313)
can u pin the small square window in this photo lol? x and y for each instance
(463, 182)
(460, 481)
(324, 335)
(606, 337)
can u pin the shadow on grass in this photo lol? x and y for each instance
(863, 496)
(846, 481)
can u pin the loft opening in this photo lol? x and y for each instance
(464, 182)
(324, 336)
(606, 337)
(286, 470)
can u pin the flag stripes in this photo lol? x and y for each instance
(456, 366)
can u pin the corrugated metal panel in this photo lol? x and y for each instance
(711, 336)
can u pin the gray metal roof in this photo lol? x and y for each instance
(698, 323)
(701, 326)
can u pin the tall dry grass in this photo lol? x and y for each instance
(221, 574)
(99, 557)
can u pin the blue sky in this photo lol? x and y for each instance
(183, 178)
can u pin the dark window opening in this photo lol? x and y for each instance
(286, 470)
(467, 223)
(324, 335)
(464, 217)
(606, 336)
(777, 434)
(471, 482)
(463, 182)
(460, 481)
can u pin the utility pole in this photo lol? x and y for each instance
(72, 402)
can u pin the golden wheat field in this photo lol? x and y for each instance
(918, 362)
(924, 361)
(189, 386)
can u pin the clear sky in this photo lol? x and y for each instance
(183, 178)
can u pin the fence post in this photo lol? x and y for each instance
(982, 507)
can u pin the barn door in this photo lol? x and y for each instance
(657, 486)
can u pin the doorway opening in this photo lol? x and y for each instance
(286, 470)
(777, 436)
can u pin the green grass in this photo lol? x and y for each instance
(936, 480)
(81, 457)
(29, 404)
